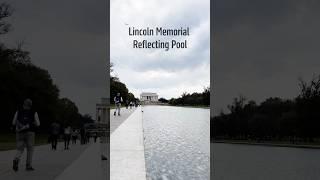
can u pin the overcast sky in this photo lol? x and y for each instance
(168, 73)
(68, 38)
(262, 47)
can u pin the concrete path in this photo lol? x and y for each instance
(116, 121)
(87, 167)
(80, 162)
(48, 164)
(127, 149)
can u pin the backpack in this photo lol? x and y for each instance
(26, 117)
(118, 99)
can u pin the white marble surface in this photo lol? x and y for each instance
(127, 160)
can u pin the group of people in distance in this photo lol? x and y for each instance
(69, 134)
(118, 100)
(25, 123)
(131, 104)
(55, 132)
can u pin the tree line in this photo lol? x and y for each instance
(190, 99)
(275, 119)
(21, 79)
(116, 86)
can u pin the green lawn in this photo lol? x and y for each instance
(8, 141)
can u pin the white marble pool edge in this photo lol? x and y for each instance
(127, 160)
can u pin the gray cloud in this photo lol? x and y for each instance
(69, 40)
(169, 73)
(263, 47)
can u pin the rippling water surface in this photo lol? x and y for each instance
(177, 142)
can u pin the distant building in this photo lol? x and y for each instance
(148, 97)
(102, 111)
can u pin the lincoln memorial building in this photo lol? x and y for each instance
(148, 97)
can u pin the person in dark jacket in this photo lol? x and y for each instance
(83, 135)
(74, 136)
(25, 121)
(67, 137)
(117, 100)
(55, 131)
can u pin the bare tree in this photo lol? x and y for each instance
(5, 12)
(310, 90)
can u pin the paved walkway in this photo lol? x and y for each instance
(116, 121)
(48, 164)
(127, 148)
(84, 161)
(87, 167)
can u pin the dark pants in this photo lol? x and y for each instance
(67, 138)
(83, 141)
(54, 141)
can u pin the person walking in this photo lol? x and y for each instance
(55, 131)
(83, 135)
(95, 137)
(74, 136)
(25, 121)
(88, 136)
(131, 104)
(67, 137)
(127, 104)
(117, 100)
